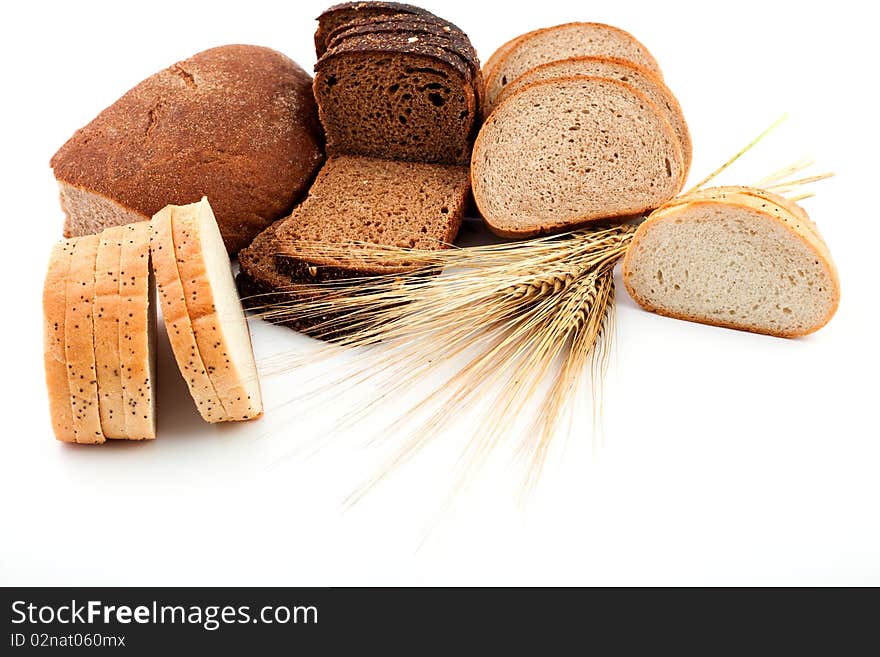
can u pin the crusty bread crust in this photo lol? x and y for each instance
(108, 310)
(79, 342)
(785, 212)
(522, 232)
(135, 337)
(177, 322)
(189, 130)
(491, 73)
(55, 361)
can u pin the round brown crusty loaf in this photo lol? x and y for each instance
(564, 152)
(189, 131)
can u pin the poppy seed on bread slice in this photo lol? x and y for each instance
(340, 14)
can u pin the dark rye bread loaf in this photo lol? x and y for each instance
(394, 96)
(358, 199)
(189, 131)
(338, 15)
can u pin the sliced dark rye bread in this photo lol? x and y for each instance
(385, 202)
(411, 25)
(390, 96)
(564, 152)
(636, 76)
(340, 14)
(414, 27)
(561, 42)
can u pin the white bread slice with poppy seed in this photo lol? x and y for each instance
(54, 358)
(734, 257)
(564, 152)
(79, 341)
(561, 42)
(137, 332)
(177, 322)
(215, 311)
(638, 77)
(107, 313)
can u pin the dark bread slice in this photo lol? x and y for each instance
(358, 199)
(338, 15)
(189, 130)
(396, 97)
(456, 43)
(411, 25)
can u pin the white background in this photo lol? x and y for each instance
(728, 458)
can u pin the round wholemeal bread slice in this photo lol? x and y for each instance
(54, 358)
(108, 310)
(564, 152)
(79, 341)
(215, 311)
(734, 257)
(634, 75)
(561, 42)
(176, 318)
(137, 332)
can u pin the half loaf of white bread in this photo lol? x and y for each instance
(736, 257)
(203, 315)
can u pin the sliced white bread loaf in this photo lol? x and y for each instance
(55, 360)
(107, 314)
(561, 42)
(734, 257)
(215, 311)
(564, 152)
(137, 332)
(638, 77)
(79, 341)
(177, 322)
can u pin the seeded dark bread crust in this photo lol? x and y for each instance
(565, 152)
(357, 199)
(189, 130)
(420, 104)
(338, 15)
(459, 43)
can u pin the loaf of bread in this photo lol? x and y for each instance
(561, 42)
(735, 257)
(203, 315)
(385, 202)
(562, 152)
(237, 123)
(641, 79)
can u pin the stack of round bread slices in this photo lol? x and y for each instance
(737, 257)
(580, 127)
(99, 309)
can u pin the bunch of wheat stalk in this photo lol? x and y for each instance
(517, 315)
